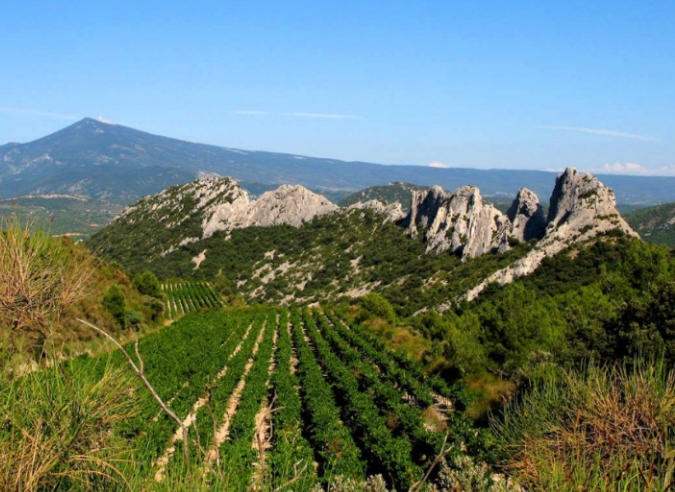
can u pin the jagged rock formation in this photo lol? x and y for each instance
(288, 204)
(527, 216)
(459, 222)
(392, 212)
(198, 209)
(191, 228)
(581, 208)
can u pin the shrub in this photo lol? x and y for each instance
(378, 306)
(114, 302)
(602, 428)
(56, 428)
(133, 318)
(147, 284)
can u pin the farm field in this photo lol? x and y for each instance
(186, 297)
(274, 397)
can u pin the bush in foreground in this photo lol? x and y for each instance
(56, 429)
(601, 429)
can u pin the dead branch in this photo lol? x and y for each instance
(441, 455)
(141, 375)
(297, 476)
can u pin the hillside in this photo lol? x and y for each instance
(334, 414)
(120, 164)
(48, 282)
(291, 245)
(655, 224)
(391, 193)
(69, 215)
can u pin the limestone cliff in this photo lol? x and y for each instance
(527, 217)
(459, 222)
(581, 207)
(288, 204)
(198, 209)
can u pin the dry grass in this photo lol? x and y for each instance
(56, 429)
(600, 429)
(38, 281)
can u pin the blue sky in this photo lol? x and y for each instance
(490, 84)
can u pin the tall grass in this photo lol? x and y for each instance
(56, 428)
(599, 429)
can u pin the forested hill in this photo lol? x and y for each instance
(655, 224)
(391, 193)
(291, 245)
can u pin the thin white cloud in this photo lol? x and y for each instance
(249, 112)
(331, 116)
(599, 131)
(637, 169)
(34, 112)
(438, 165)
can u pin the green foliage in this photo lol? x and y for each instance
(377, 305)
(654, 224)
(147, 284)
(608, 300)
(115, 302)
(337, 398)
(186, 297)
(332, 257)
(133, 318)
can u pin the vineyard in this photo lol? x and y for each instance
(273, 397)
(187, 297)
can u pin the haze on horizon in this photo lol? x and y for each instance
(482, 84)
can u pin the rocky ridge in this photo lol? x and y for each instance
(220, 204)
(392, 212)
(581, 208)
(462, 223)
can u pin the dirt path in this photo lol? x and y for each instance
(262, 441)
(163, 460)
(231, 409)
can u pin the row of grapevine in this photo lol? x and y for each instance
(410, 375)
(204, 428)
(291, 451)
(330, 401)
(179, 360)
(384, 452)
(409, 419)
(186, 297)
(238, 452)
(334, 446)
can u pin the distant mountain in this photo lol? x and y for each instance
(655, 224)
(116, 163)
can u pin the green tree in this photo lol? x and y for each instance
(378, 306)
(114, 302)
(147, 284)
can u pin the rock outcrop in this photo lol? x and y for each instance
(527, 216)
(459, 222)
(220, 204)
(392, 212)
(291, 205)
(581, 208)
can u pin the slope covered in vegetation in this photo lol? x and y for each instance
(655, 224)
